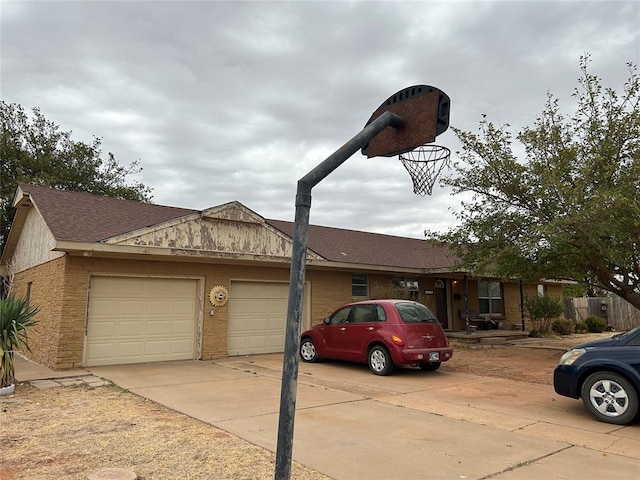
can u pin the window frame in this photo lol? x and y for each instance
(487, 303)
(409, 287)
(360, 285)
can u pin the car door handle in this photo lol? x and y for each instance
(370, 329)
(343, 329)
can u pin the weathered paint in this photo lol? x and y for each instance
(232, 230)
(35, 244)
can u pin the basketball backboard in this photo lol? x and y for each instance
(425, 113)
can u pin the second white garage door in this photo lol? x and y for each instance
(133, 320)
(257, 317)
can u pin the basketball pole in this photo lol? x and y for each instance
(291, 360)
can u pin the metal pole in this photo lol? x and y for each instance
(291, 360)
(522, 304)
(466, 304)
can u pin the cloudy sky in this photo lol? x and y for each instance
(223, 101)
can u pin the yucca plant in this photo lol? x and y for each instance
(16, 317)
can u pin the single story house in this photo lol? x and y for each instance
(120, 281)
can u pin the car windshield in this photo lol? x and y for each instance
(411, 312)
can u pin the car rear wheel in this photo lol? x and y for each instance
(610, 398)
(430, 367)
(308, 351)
(380, 361)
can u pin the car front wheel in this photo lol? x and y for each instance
(380, 361)
(308, 351)
(610, 398)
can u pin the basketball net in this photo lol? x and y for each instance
(425, 164)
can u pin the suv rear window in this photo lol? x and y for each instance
(415, 313)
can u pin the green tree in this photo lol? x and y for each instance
(35, 150)
(571, 207)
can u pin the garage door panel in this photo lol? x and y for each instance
(184, 327)
(156, 348)
(102, 329)
(158, 307)
(182, 307)
(257, 317)
(156, 327)
(277, 289)
(178, 346)
(128, 350)
(132, 307)
(103, 351)
(134, 320)
(103, 306)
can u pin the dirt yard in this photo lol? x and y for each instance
(71, 432)
(529, 360)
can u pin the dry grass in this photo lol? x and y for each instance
(71, 432)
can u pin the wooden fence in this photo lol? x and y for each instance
(618, 313)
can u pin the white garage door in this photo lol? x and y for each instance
(257, 317)
(134, 320)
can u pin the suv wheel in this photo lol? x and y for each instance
(610, 398)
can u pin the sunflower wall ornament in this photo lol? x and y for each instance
(219, 296)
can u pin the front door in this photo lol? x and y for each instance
(441, 302)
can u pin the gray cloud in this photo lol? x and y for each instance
(226, 101)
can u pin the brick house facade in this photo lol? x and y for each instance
(65, 249)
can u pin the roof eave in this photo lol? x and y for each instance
(143, 252)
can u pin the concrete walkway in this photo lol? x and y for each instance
(351, 424)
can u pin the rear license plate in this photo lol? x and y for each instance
(434, 356)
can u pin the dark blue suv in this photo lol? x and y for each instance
(605, 374)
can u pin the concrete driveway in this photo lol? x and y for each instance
(351, 424)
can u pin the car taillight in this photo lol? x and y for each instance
(397, 340)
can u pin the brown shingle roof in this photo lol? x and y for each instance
(352, 246)
(82, 217)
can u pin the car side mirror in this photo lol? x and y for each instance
(327, 321)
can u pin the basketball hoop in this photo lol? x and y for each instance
(425, 164)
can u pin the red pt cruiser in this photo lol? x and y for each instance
(382, 333)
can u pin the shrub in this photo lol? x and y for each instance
(562, 326)
(16, 317)
(543, 310)
(581, 327)
(595, 324)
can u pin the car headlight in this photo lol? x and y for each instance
(571, 356)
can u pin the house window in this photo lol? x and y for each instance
(490, 298)
(29, 288)
(359, 285)
(407, 288)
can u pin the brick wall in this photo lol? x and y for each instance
(47, 292)
(61, 288)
